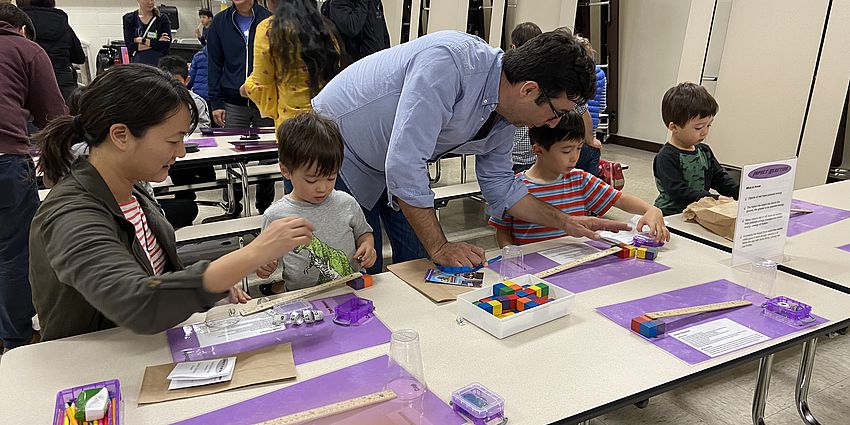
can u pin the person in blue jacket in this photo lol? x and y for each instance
(592, 149)
(230, 51)
(147, 33)
(198, 75)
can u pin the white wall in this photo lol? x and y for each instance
(547, 14)
(652, 41)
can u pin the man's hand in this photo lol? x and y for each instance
(218, 116)
(724, 198)
(237, 296)
(458, 254)
(588, 226)
(242, 91)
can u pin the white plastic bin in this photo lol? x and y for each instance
(560, 306)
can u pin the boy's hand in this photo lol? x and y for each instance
(655, 220)
(238, 296)
(265, 271)
(366, 254)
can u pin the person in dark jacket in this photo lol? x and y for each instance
(27, 88)
(205, 18)
(102, 253)
(361, 24)
(199, 75)
(147, 33)
(58, 39)
(230, 54)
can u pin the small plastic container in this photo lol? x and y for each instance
(644, 239)
(70, 394)
(478, 403)
(351, 312)
(788, 310)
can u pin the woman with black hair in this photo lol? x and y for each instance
(296, 53)
(147, 33)
(101, 252)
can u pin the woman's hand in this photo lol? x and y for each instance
(238, 296)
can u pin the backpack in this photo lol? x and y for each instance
(612, 173)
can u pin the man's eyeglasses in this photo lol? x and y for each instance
(558, 114)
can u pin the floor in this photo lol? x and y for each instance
(723, 399)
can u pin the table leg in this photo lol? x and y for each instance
(246, 193)
(804, 378)
(231, 203)
(244, 279)
(463, 168)
(762, 384)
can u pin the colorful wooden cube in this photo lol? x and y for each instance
(531, 304)
(489, 307)
(512, 301)
(506, 303)
(514, 286)
(537, 291)
(497, 307)
(647, 253)
(544, 289)
(487, 299)
(541, 300)
(497, 289)
(637, 321)
(521, 303)
(652, 328)
(503, 315)
(627, 251)
(525, 292)
(361, 282)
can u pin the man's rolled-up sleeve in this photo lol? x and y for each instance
(496, 179)
(431, 88)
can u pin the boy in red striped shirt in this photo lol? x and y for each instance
(554, 180)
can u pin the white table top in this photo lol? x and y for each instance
(225, 151)
(812, 253)
(571, 365)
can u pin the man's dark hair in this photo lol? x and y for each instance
(205, 12)
(17, 18)
(43, 3)
(308, 140)
(174, 65)
(686, 101)
(524, 32)
(557, 63)
(570, 127)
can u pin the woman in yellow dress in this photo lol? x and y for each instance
(295, 54)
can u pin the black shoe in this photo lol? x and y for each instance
(266, 289)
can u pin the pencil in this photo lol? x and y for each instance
(114, 414)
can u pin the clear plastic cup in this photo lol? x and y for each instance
(511, 264)
(409, 382)
(763, 274)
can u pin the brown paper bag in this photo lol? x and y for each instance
(268, 364)
(718, 216)
(413, 272)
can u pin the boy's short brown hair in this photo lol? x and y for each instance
(308, 140)
(570, 127)
(686, 101)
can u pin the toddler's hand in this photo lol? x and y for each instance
(655, 220)
(265, 271)
(237, 295)
(366, 254)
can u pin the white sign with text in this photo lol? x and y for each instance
(764, 207)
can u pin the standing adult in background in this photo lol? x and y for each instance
(450, 92)
(205, 18)
(361, 25)
(230, 54)
(522, 157)
(295, 55)
(58, 39)
(147, 33)
(27, 88)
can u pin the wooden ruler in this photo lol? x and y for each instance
(332, 409)
(578, 262)
(698, 309)
(289, 296)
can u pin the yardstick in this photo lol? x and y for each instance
(332, 409)
(578, 262)
(698, 309)
(289, 296)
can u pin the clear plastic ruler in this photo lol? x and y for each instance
(332, 409)
(578, 262)
(698, 309)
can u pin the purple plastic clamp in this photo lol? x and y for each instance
(644, 239)
(790, 309)
(478, 403)
(351, 312)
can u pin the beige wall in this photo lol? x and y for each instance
(827, 100)
(547, 14)
(652, 39)
(765, 78)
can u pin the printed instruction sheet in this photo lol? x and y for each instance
(718, 337)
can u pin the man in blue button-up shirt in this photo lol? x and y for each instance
(450, 92)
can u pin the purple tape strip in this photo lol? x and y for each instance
(845, 248)
(309, 342)
(707, 293)
(204, 142)
(821, 216)
(351, 382)
(596, 274)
